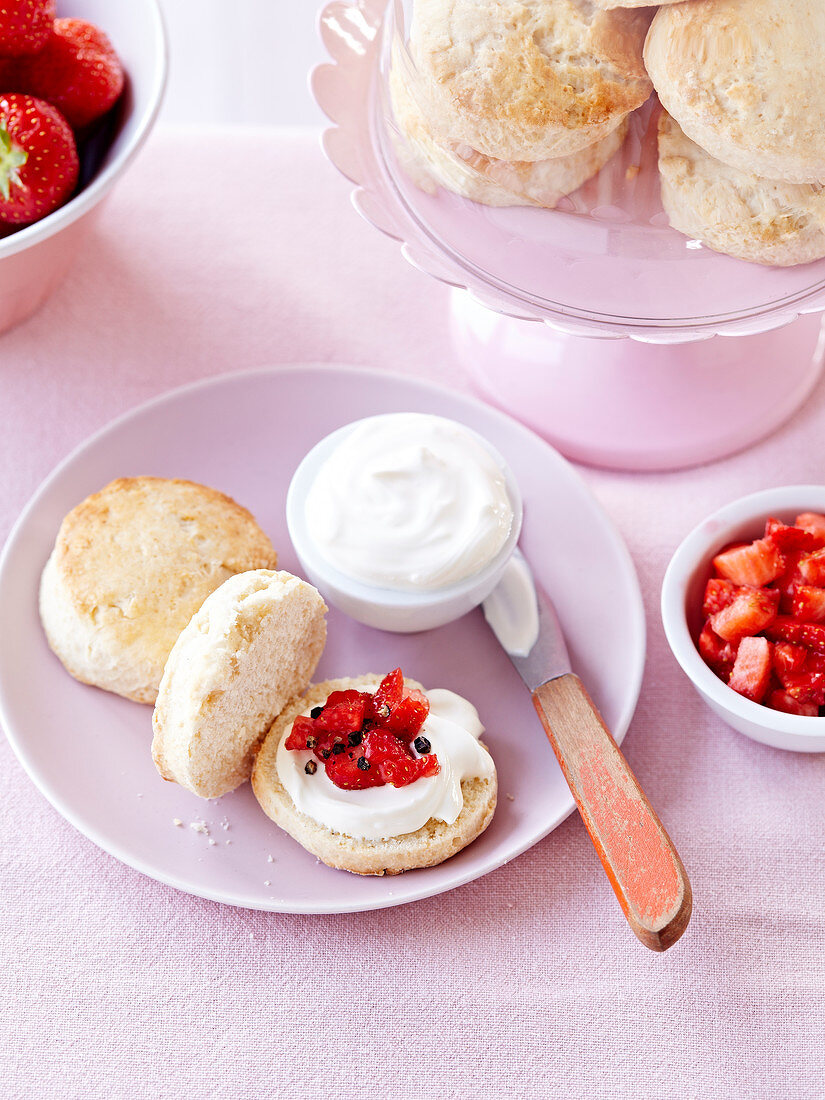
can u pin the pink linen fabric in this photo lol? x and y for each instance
(527, 983)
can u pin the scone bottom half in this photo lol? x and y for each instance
(427, 846)
(250, 649)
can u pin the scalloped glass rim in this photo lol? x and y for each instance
(380, 197)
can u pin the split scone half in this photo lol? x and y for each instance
(736, 212)
(381, 830)
(132, 563)
(465, 171)
(251, 648)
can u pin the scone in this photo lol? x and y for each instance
(467, 172)
(765, 221)
(383, 829)
(745, 79)
(251, 647)
(131, 565)
(527, 80)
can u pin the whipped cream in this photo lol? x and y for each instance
(409, 501)
(379, 813)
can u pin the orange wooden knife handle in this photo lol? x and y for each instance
(638, 855)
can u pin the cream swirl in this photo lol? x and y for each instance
(379, 813)
(410, 501)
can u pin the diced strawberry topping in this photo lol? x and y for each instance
(343, 770)
(397, 767)
(751, 671)
(718, 594)
(343, 712)
(390, 692)
(409, 715)
(755, 564)
(365, 740)
(751, 611)
(781, 700)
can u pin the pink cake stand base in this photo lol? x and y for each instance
(639, 406)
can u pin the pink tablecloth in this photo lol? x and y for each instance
(223, 251)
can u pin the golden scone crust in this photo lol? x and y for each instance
(429, 845)
(739, 213)
(250, 648)
(745, 80)
(131, 565)
(527, 80)
(467, 172)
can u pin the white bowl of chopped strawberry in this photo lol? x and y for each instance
(743, 606)
(80, 87)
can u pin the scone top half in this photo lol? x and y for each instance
(250, 649)
(132, 563)
(527, 80)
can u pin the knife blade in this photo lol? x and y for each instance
(638, 856)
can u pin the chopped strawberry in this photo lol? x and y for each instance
(716, 653)
(788, 657)
(344, 771)
(788, 579)
(397, 766)
(813, 522)
(749, 613)
(806, 686)
(808, 604)
(25, 26)
(343, 712)
(786, 629)
(718, 594)
(408, 717)
(389, 694)
(785, 537)
(781, 700)
(302, 728)
(77, 70)
(755, 564)
(751, 671)
(811, 568)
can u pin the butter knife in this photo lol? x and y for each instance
(641, 862)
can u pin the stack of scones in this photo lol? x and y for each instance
(519, 102)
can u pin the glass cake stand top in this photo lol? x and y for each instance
(603, 265)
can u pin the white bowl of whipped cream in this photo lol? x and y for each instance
(404, 521)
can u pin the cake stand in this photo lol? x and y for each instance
(622, 342)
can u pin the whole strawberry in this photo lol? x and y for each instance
(38, 159)
(77, 70)
(25, 25)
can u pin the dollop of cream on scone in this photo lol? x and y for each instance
(453, 729)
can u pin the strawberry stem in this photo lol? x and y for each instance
(12, 159)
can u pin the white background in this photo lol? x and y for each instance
(244, 61)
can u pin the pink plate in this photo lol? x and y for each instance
(88, 751)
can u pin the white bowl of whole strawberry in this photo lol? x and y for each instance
(743, 606)
(80, 87)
